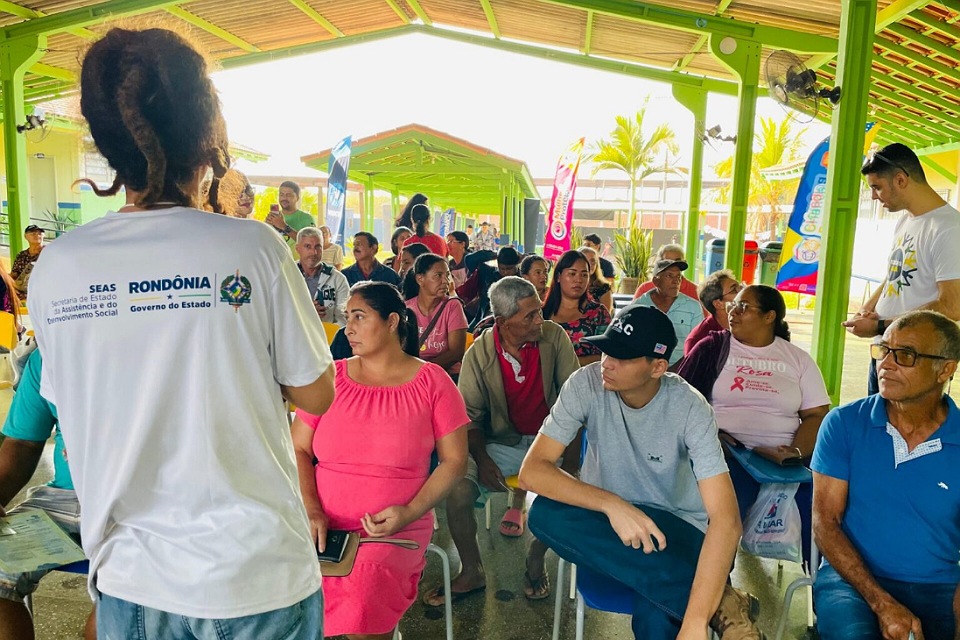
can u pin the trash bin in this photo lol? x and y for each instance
(770, 262)
(751, 252)
(714, 258)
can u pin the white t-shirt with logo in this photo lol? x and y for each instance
(926, 250)
(760, 391)
(166, 336)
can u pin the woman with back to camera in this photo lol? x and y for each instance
(198, 525)
(569, 304)
(420, 214)
(767, 393)
(374, 478)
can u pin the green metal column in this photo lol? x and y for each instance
(517, 237)
(843, 189)
(366, 221)
(696, 101)
(395, 204)
(16, 56)
(742, 57)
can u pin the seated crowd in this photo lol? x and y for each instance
(623, 426)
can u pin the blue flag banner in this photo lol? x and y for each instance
(448, 220)
(800, 259)
(337, 189)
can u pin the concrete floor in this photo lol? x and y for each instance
(501, 612)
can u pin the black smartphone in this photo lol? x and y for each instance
(336, 544)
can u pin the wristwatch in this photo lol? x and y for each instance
(881, 327)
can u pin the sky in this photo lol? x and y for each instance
(504, 101)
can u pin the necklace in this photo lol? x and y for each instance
(155, 205)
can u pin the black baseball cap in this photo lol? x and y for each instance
(508, 257)
(33, 227)
(636, 332)
(663, 265)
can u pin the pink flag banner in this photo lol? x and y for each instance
(560, 217)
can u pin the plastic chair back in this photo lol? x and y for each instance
(8, 331)
(331, 329)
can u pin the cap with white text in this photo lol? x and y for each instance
(636, 332)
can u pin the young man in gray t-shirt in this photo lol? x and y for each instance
(654, 509)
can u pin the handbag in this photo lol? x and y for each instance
(345, 566)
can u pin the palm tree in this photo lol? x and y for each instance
(776, 143)
(636, 155)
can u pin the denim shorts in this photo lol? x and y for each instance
(64, 509)
(121, 620)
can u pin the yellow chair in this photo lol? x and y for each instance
(469, 341)
(331, 328)
(8, 331)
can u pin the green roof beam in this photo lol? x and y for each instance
(317, 17)
(936, 25)
(903, 125)
(588, 34)
(934, 124)
(925, 41)
(212, 29)
(914, 90)
(704, 23)
(939, 148)
(891, 14)
(53, 72)
(913, 74)
(712, 85)
(439, 171)
(82, 17)
(724, 87)
(918, 58)
(936, 166)
(400, 12)
(491, 18)
(682, 63)
(417, 9)
(31, 14)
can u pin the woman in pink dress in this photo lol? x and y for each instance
(372, 474)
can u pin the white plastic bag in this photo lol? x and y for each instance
(772, 526)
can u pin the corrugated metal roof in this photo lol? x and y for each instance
(915, 82)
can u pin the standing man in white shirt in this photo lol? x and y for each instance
(328, 287)
(923, 272)
(168, 359)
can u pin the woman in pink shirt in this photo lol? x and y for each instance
(372, 474)
(440, 317)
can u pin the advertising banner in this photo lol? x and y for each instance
(560, 216)
(448, 220)
(800, 258)
(337, 189)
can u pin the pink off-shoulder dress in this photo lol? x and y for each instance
(373, 448)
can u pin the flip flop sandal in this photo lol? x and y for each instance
(513, 517)
(455, 596)
(540, 587)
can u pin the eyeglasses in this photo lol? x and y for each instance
(740, 307)
(734, 290)
(903, 357)
(876, 154)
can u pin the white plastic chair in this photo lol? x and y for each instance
(806, 580)
(448, 603)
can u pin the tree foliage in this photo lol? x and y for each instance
(774, 144)
(631, 151)
(269, 196)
